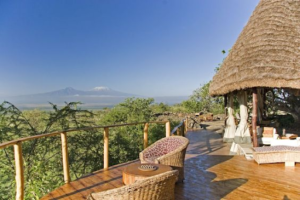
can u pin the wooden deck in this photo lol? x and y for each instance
(209, 174)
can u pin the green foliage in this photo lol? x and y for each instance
(179, 108)
(127, 142)
(131, 110)
(283, 100)
(202, 101)
(286, 100)
(285, 120)
(42, 157)
(160, 108)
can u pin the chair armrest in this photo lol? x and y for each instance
(141, 155)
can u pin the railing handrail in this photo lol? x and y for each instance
(16, 141)
(183, 125)
(177, 127)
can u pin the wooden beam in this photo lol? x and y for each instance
(65, 157)
(186, 125)
(146, 135)
(178, 133)
(254, 117)
(106, 148)
(18, 150)
(19, 171)
(182, 129)
(225, 104)
(168, 129)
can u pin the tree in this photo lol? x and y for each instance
(42, 157)
(284, 100)
(131, 110)
(202, 101)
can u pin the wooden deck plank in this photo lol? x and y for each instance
(210, 173)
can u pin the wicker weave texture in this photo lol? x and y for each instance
(158, 187)
(275, 155)
(175, 159)
(267, 53)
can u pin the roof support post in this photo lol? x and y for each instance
(225, 104)
(254, 117)
(265, 105)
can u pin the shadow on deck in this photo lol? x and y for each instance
(210, 173)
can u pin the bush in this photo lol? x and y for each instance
(202, 101)
(286, 120)
(42, 157)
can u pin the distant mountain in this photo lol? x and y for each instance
(69, 91)
(98, 96)
(95, 98)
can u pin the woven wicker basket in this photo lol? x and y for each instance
(276, 154)
(158, 187)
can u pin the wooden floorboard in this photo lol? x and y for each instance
(210, 173)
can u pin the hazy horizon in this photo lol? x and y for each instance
(43, 92)
(97, 98)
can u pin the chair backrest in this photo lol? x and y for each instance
(156, 187)
(167, 145)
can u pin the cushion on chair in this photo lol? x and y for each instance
(276, 154)
(276, 149)
(161, 148)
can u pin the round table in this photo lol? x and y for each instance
(132, 173)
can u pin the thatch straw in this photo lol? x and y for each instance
(267, 52)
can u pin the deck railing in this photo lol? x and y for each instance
(181, 129)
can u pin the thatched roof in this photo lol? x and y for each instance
(267, 52)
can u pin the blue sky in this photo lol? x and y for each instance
(144, 47)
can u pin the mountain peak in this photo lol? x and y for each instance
(100, 88)
(69, 88)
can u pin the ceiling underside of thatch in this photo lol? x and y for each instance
(267, 52)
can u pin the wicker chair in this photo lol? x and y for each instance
(167, 151)
(158, 187)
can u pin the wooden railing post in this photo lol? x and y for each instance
(168, 129)
(106, 146)
(19, 171)
(254, 117)
(65, 157)
(146, 135)
(178, 133)
(17, 144)
(186, 124)
(182, 129)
